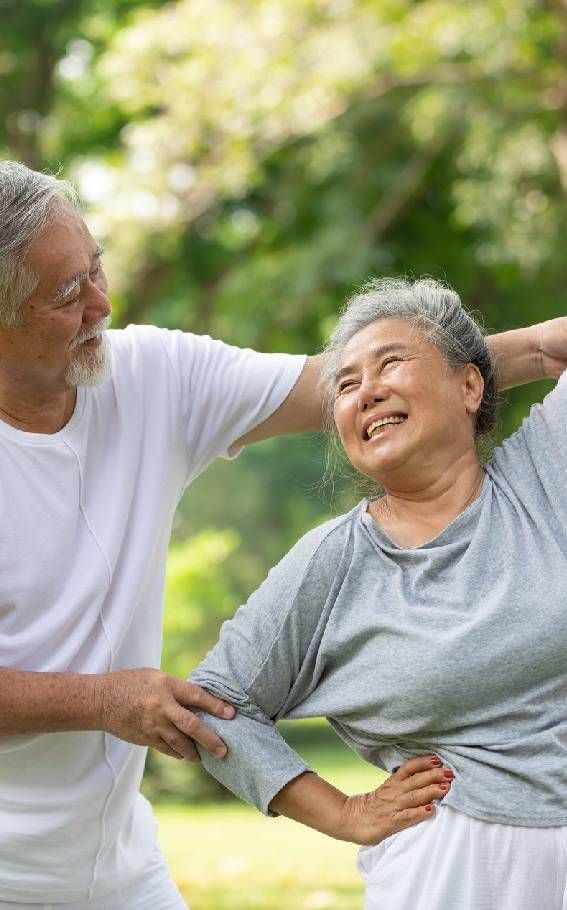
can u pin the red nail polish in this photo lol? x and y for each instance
(437, 762)
(429, 808)
(443, 786)
(449, 775)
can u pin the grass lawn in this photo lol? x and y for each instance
(229, 857)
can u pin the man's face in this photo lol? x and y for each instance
(59, 342)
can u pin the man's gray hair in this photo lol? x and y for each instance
(26, 204)
(438, 313)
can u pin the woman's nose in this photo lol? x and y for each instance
(370, 394)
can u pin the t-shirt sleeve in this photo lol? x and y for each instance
(225, 391)
(533, 461)
(266, 661)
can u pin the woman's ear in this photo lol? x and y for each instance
(472, 388)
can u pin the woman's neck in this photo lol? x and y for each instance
(417, 513)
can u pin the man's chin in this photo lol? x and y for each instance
(90, 367)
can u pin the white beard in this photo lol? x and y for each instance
(90, 366)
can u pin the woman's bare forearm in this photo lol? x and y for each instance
(314, 802)
(517, 357)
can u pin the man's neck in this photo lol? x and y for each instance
(37, 413)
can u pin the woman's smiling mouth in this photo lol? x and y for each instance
(382, 424)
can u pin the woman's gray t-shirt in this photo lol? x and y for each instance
(457, 647)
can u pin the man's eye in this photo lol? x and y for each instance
(391, 360)
(346, 385)
(94, 272)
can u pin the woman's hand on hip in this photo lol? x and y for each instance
(404, 799)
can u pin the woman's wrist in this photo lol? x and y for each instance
(314, 802)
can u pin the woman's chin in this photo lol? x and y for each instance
(381, 468)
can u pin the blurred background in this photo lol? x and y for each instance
(247, 164)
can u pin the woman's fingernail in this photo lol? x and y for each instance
(437, 762)
(429, 808)
(449, 775)
(443, 786)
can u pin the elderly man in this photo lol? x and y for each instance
(100, 433)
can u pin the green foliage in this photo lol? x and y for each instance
(198, 596)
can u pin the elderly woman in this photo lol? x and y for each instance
(431, 619)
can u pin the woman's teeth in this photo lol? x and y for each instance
(378, 425)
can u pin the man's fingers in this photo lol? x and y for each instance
(415, 765)
(193, 696)
(180, 744)
(193, 727)
(162, 746)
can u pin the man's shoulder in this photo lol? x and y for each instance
(135, 336)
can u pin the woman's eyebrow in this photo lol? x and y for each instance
(376, 352)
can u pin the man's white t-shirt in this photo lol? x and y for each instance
(85, 521)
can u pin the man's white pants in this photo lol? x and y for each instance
(454, 862)
(153, 890)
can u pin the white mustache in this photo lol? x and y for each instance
(91, 332)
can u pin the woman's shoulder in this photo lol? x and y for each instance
(534, 457)
(323, 548)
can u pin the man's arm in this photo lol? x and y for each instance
(141, 706)
(301, 411)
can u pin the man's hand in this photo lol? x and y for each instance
(552, 344)
(150, 708)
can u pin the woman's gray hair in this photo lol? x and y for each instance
(26, 204)
(437, 311)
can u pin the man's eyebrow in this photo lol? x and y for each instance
(376, 352)
(74, 281)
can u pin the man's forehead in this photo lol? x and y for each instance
(64, 248)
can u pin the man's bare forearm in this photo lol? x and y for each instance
(140, 705)
(48, 702)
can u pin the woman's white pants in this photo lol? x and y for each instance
(454, 862)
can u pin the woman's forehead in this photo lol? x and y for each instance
(390, 333)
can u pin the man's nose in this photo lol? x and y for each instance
(98, 304)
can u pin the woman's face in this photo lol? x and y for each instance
(399, 408)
